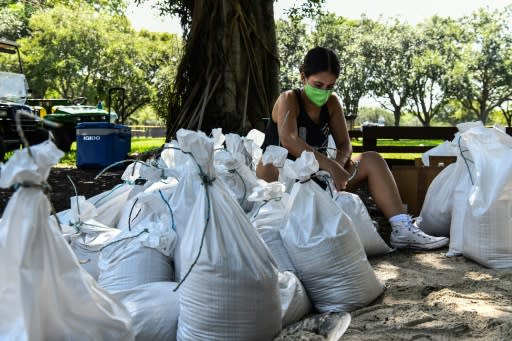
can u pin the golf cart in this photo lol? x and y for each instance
(68, 116)
(14, 91)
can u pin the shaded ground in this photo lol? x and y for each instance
(62, 188)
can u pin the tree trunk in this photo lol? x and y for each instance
(228, 76)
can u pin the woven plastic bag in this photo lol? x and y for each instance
(139, 256)
(240, 180)
(295, 303)
(229, 288)
(487, 237)
(85, 235)
(462, 186)
(354, 207)
(46, 295)
(154, 309)
(436, 212)
(267, 217)
(447, 148)
(277, 156)
(323, 245)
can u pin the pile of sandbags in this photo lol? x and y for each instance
(190, 246)
(323, 245)
(470, 200)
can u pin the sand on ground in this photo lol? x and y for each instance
(430, 296)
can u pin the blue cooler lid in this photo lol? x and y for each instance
(102, 128)
(98, 125)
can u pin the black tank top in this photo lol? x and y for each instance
(314, 134)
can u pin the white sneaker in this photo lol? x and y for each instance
(408, 235)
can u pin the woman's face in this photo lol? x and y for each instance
(323, 80)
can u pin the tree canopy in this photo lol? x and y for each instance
(234, 59)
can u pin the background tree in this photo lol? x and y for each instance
(482, 78)
(506, 110)
(392, 58)
(434, 56)
(15, 15)
(13, 20)
(82, 52)
(228, 75)
(293, 44)
(353, 43)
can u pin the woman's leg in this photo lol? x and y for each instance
(405, 233)
(381, 183)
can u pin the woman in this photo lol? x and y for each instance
(302, 119)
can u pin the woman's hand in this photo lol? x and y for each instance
(339, 175)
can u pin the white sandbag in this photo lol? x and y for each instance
(488, 232)
(87, 244)
(436, 212)
(182, 203)
(277, 156)
(256, 136)
(138, 257)
(218, 139)
(88, 236)
(447, 148)
(235, 145)
(153, 202)
(324, 247)
(354, 207)
(110, 203)
(237, 176)
(255, 151)
(46, 295)
(268, 216)
(154, 309)
(460, 207)
(231, 292)
(295, 303)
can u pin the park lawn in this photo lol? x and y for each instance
(138, 145)
(404, 156)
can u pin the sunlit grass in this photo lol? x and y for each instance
(142, 144)
(401, 143)
(138, 145)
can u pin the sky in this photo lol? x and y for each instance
(411, 11)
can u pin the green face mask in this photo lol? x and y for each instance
(317, 96)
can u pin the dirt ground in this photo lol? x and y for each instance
(62, 187)
(428, 296)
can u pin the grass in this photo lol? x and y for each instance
(404, 156)
(138, 145)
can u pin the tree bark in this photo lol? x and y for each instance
(228, 76)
